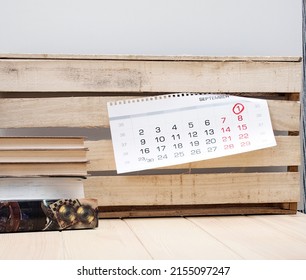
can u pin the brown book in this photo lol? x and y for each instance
(41, 143)
(43, 169)
(43, 156)
(48, 215)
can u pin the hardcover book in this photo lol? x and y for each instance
(48, 215)
(43, 157)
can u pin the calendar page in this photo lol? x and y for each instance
(179, 128)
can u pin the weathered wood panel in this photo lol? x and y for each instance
(194, 210)
(101, 157)
(150, 57)
(47, 75)
(194, 189)
(109, 78)
(161, 236)
(92, 112)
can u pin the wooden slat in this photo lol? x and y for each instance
(40, 156)
(53, 112)
(31, 246)
(162, 236)
(101, 156)
(193, 210)
(148, 76)
(278, 111)
(253, 240)
(194, 189)
(92, 112)
(149, 57)
(257, 237)
(293, 225)
(112, 240)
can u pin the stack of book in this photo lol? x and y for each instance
(41, 184)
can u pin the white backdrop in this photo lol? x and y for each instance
(157, 27)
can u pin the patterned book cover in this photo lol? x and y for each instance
(46, 215)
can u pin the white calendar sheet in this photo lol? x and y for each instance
(180, 128)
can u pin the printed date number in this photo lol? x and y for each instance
(204, 270)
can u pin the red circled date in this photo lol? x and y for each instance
(238, 108)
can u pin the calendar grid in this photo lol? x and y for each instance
(173, 133)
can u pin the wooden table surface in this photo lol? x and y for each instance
(262, 237)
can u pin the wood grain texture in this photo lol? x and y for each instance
(149, 57)
(107, 78)
(239, 237)
(161, 237)
(47, 75)
(101, 156)
(194, 189)
(194, 210)
(92, 112)
(228, 238)
(251, 239)
(113, 240)
(31, 246)
(293, 225)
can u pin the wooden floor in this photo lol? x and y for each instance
(238, 237)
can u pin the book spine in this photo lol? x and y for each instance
(47, 215)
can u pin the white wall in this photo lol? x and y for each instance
(157, 27)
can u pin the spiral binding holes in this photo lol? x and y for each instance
(154, 98)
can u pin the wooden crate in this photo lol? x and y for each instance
(70, 93)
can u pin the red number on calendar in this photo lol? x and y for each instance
(242, 127)
(226, 129)
(226, 138)
(228, 147)
(243, 136)
(238, 108)
(245, 144)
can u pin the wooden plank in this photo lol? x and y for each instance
(252, 240)
(31, 246)
(113, 239)
(277, 112)
(148, 76)
(101, 157)
(294, 97)
(53, 112)
(92, 112)
(150, 57)
(257, 237)
(293, 225)
(42, 169)
(194, 189)
(192, 210)
(40, 156)
(177, 238)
